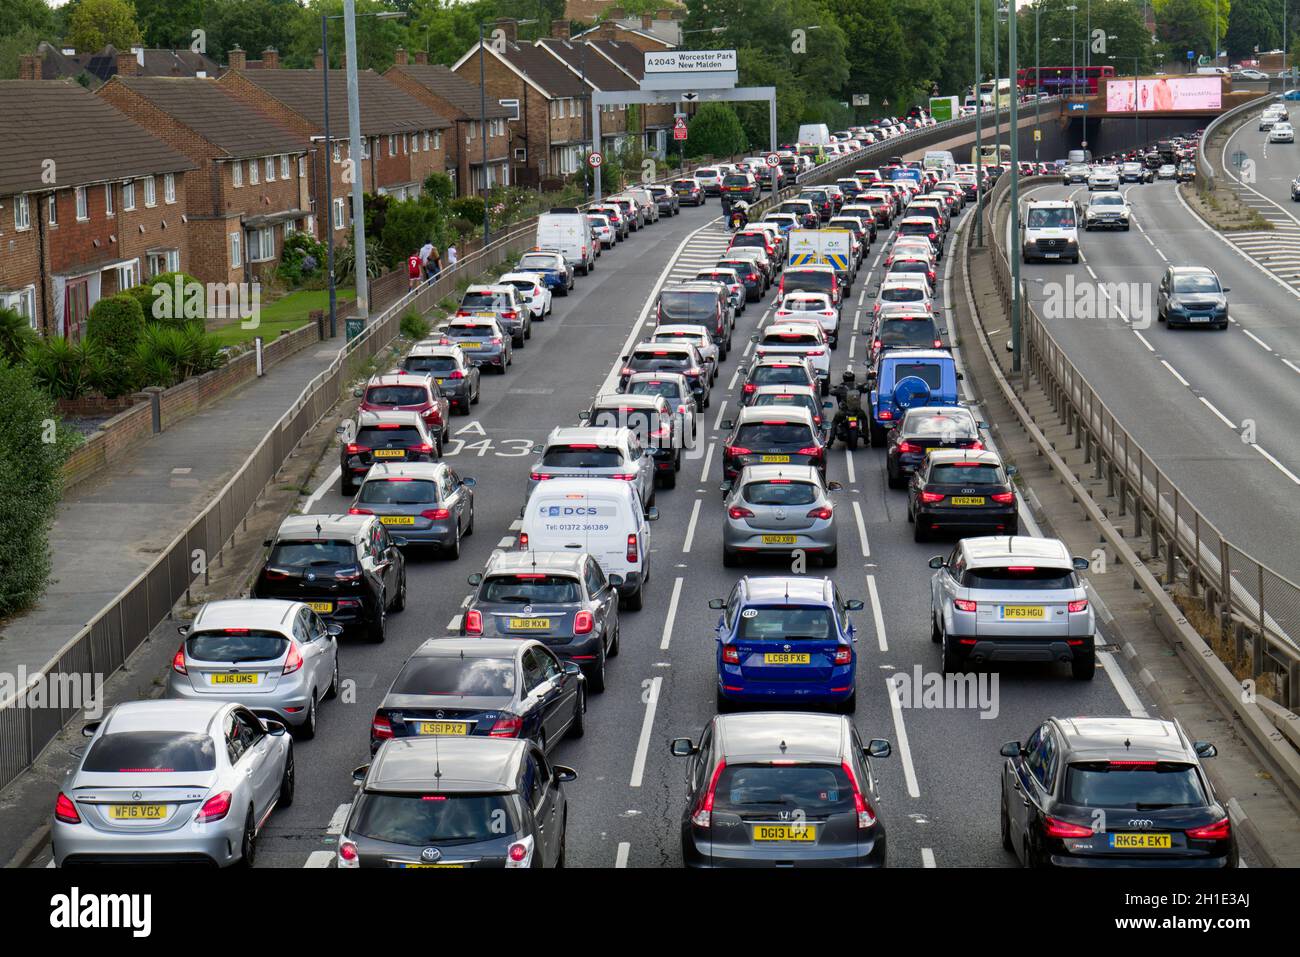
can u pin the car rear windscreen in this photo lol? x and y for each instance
(531, 588)
(915, 266)
(753, 239)
(957, 473)
(789, 401)
(779, 375)
(808, 280)
(525, 285)
(582, 456)
(790, 339)
(471, 330)
(158, 751)
(307, 554)
(662, 358)
(1138, 787)
(812, 623)
(430, 364)
(780, 493)
(1020, 577)
(907, 332)
(688, 305)
(417, 820)
(396, 395)
(538, 262)
(762, 435)
(735, 180)
(915, 229)
(400, 437)
(641, 421)
(237, 645)
(927, 372)
(485, 301)
(669, 390)
(801, 304)
(903, 294)
(398, 491)
(761, 788)
(937, 424)
(453, 675)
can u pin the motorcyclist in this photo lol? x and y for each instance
(739, 217)
(850, 397)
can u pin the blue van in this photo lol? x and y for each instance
(905, 378)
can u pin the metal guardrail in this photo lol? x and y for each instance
(1204, 167)
(1260, 606)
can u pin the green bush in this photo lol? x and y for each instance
(414, 326)
(439, 188)
(304, 257)
(465, 228)
(32, 452)
(59, 368)
(147, 294)
(167, 355)
(116, 323)
(467, 207)
(16, 335)
(345, 262)
(105, 372)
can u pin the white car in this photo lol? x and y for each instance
(1167, 171)
(1249, 74)
(697, 336)
(532, 289)
(801, 339)
(603, 231)
(909, 288)
(1270, 116)
(815, 305)
(1282, 132)
(1108, 210)
(1103, 177)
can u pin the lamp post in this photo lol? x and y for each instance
(1074, 63)
(979, 128)
(1038, 78)
(1015, 195)
(359, 219)
(997, 100)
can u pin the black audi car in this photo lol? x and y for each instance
(963, 491)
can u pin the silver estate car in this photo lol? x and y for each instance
(779, 509)
(277, 658)
(485, 342)
(173, 782)
(1012, 598)
(427, 504)
(593, 452)
(674, 387)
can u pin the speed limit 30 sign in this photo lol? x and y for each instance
(772, 159)
(594, 160)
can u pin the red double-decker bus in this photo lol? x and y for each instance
(1063, 80)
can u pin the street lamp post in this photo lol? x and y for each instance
(1015, 198)
(997, 86)
(1038, 79)
(979, 128)
(1074, 63)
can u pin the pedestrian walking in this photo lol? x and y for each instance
(434, 263)
(414, 271)
(453, 255)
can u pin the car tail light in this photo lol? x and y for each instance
(843, 656)
(381, 727)
(1077, 606)
(812, 450)
(739, 511)
(473, 622)
(293, 662)
(496, 340)
(1218, 831)
(65, 810)
(510, 314)
(178, 661)
(348, 856)
(354, 449)
(905, 448)
(1003, 498)
(964, 604)
(627, 370)
(507, 726)
(214, 808)
(730, 655)
(816, 352)
(436, 514)
(933, 237)
(931, 497)
(823, 513)
(519, 852)
(583, 623)
(734, 450)
(1054, 827)
(424, 448)
(523, 541)
(703, 813)
(359, 511)
(750, 388)
(866, 816)
(349, 574)
(625, 476)
(462, 312)
(886, 414)
(632, 548)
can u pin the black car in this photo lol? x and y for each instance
(382, 437)
(653, 422)
(821, 200)
(906, 328)
(924, 429)
(449, 802)
(740, 187)
(767, 435)
(705, 304)
(669, 357)
(1113, 792)
(459, 379)
(962, 490)
(482, 687)
(754, 281)
(784, 788)
(561, 599)
(666, 200)
(688, 191)
(346, 568)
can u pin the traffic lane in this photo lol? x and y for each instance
(1276, 164)
(487, 443)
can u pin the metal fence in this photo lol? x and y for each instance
(1259, 606)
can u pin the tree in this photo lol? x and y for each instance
(1253, 25)
(715, 130)
(13, 46)
(18, 15)
(97, 23)
(1189, 24)
(257, 24)
(169, 24)
(446, 29)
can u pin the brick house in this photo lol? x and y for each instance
(547, 141)
(403, 140)
(55, 63)
(251, 191)
(90, 203)
(657, 118)
(661, 31)
(599, 75)
(456, 98)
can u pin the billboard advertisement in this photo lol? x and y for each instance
(1165, 94)
(943, 108)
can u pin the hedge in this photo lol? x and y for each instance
(116, 323)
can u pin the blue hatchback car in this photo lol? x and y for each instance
(786, 640)
(906, 378)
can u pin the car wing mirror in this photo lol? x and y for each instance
(572, 668)
(539, 449)
(399, 541)
(359, 774)
(682, 747)
(562, 775)
(615, 580)
(357, 393)
(834, 487)
(728, 423)
(1011, 749)
(584, 415)
(878, 748)
(1204, 749)
(274, 727)
(652, 513)
(469, 482)
(89, 728)
(717, 604)
(1012, 470)
(853, 604)
(475, 579)
(1080, 564)
(937, 562)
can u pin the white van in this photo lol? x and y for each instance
(814, 134)
(566, 230)
(600, 516)
(941, 160)
(1050, 230)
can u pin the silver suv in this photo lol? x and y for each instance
(593, 452)
(1012, 598)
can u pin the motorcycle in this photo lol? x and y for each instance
(846, 426)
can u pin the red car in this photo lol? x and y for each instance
(407, 392)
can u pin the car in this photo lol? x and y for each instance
(427, 503)
(502, 302)
(1103, 178)
(811, 278)
(807, 215)
(1113, 791)
(1134, 173)
(565, 230)
(779, 509)
(382, 437)
(676, 390)
(1192, 296)
(634, 211)
(483, 687)
(534, 291)
(748, 769)
(1050, 230)
(823, 202)
(924, 430)
(1295, 190)
(731, 275)
(757, 259)
(595, 453)
(1012, 598)
(786, 640)
(694, 335)
(1281, 133)
(798, 396)
(922, 226)
(346, 568)
(797, 339)
(904, 378)
(704, 304)
(1252, 74)
(277, 658)
(777, 370)
(1291, 95)
(554, 267)
(1107, 211)
(709, 180)
(1186, 172)
(457, 802)
(907, 289)
(1271, 115)
(484, 342)
(561, 599)
(645, 202)
(739, 187)
(816, 305)
(1075, 173)
(682, 358)
(665, 199)
(603, 233)
(617, 219)
(1167, 171)
(755, 237)
(688, 191)
(652, 420)
(766, 435)
(960, 488)
(173, 782)
(401, 391)
(904, 264)
(458, 379)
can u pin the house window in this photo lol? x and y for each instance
(573, 108)
(311, 225)
(236, 175)
(288, 228)
(338, 152)
(427, 140)
(261, 244)
(340, 213)
(270, 169)
(22, 302)
(406, 143)
(254, 172)
(437, 139)
(52, 210)
(169, 188)
(302, 167)
(83, 208)
(365, 149)
(150, 191)
(284, 166)
(108, 199)
(163, 260)
(128, 195)
(22, 213)
(392, 144)
(236, 255)
(125, 275)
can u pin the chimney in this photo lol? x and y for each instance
(318, 62)
(29, 66)
(270, 59)
(399, 57)
(647, 21)
(421, 58)
(664, 15)
(127, 65)
(560, 29)
(509, 28)
(236, 57)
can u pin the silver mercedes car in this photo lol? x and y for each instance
(173, 782)
(779, 509)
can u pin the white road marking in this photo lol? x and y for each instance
(734, 376)
(620, 859)
(1223, 418)
(339, 818)
(852, 347)
(848, 464)
(862, 530)
(506, 542)
(1282, 468)
(927, 857)
(877, 613)
(321, 489)
(708, 460)
(722, 410)
(1291, 365)
(1143, 339)
(647, 727)
(690, 528)
(1175, 374)
(319, 859)
(672, 615)
(1258, 341)
(454, 624)
(900, 736)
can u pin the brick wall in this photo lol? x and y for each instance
(19, 259)
(533, 128)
